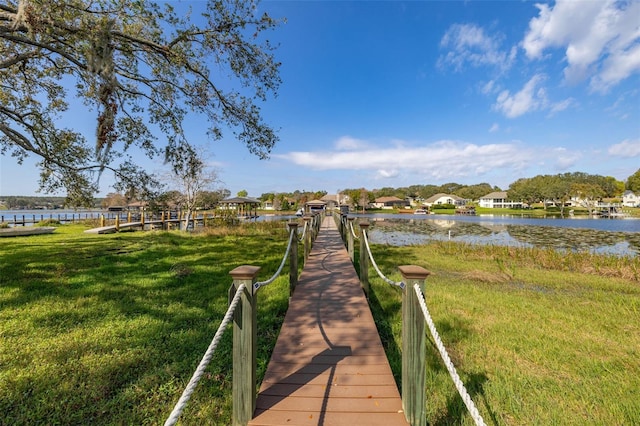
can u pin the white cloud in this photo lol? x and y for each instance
(530, 98)
(600, 39)
(387, 174)
(467, 43)
(627, 148)
(489, 88)
(562, 105)
(347, 143)
(439, 160)
(494, 128)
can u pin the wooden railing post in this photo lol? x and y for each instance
(307, 237)
(413, 347)
(350, 247)
(293, 257)
(118, 222)
(245, 338)
(317, 220)
(364, 260)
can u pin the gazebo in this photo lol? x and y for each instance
(245, 207)
(315, 206)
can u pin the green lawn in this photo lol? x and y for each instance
(108, 329)
(538, 338)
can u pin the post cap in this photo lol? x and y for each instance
(413, 272)
(364, 224)
(245, 272)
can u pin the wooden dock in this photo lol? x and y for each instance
(328, 366)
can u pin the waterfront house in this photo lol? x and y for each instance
(390, 203)
(630, 199)
(441, 198)
(499, 200)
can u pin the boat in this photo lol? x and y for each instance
(420, 211)
(471, 211)
(26, 230)
(300, 212)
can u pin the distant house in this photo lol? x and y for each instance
(630, 199)
(314, 206)
(333, 200)
(441, 198)
(498, 200)
(390, 203)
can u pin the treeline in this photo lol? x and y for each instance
(290, 200)
(557, 189)
(20, 202)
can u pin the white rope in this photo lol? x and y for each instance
(447, 361)
(373, 262)
(259, 284)
(191, 386)
(352, 231)
(304, 231)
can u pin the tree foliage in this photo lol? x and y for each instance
(561, 188)
(191, 179)
(140, 66)
(633, 182)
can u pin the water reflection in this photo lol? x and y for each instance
(411, 231)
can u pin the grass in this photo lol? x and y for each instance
(538, 337)
(108, 329)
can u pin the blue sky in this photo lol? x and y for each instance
(391, 94)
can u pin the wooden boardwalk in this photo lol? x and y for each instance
(328, 366)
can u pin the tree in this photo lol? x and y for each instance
(114, 199)
(526, 190)
(587, 194)
(281, 202)
(633, 182)
(191, 179)
(140, 67)
(474, 192)
(242, 193)
(359, 198)
(209, 199)
(168, 200)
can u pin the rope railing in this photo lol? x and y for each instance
(259, 284)
(191, 386)
(304, 232)
(375, 265)
(466, 398)
(352, 231)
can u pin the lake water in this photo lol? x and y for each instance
(619, 236)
